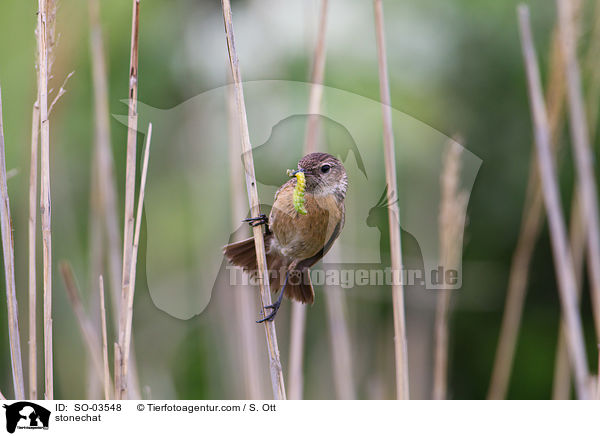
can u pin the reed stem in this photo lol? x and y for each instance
(32, 223)
(270, 331)
(129, 201)
(562, 253)
(531, 224)
(400, 345)
(91, 339)
(45, 199)
(107, 379)
(583, 156)
(130, 291)
(245, 300)
(9, 273)
(298, 313)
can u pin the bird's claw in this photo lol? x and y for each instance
(271, 316)
(257, 220)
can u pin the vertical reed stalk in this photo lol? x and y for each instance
(317, 76)
(598, 377)
(130, 291)
(32, 223)
(339, 335)
(129, 198)
(106, 369)
(298, 314)
(561, 385)
(96, 256)
(593, 72)
(105, 175)
(583, 157)
(270, 331)
(103, 158)
(45, 200)
(402, 386)
(453, 206)
(531, 224)
(32, 235)
(91, 339)
(562, 372)
(440, 351)
(117, 372)
(297, 330)
(562, 254)
(9, 273)
(245, 301)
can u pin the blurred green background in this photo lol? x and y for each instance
(454, 65)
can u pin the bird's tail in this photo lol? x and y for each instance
(243, 254)
(299, 286)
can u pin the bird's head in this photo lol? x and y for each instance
(325, 175)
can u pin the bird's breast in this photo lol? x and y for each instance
(302, 236)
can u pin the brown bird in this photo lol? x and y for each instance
(294, 241)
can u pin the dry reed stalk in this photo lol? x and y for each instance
(61, 91)
(440, 351)
(129, 197)
(95, 268)
(270, 331)
(2, 397)
(452, 209)
(297, 330)
(334, 296)
(561, 251)
(9, 273)
(298, 313)
(130, 291)
(245, 301)
(593, 72)
(104, 158)
(49, 35)
(317, 76)
(107, 388)
(531, 225)
(562, 381)
(583, 156)
(32, 235)
(339, 336)
(598, 377)
(90, 336)
(561, 385)
(45, 23)
(117, 373)
(98, 237)
(105, 175)
(402, 387)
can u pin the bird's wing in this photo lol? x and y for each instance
(284, 186)
(307, 263)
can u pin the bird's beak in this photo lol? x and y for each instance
(293, 173)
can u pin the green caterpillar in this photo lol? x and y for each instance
(299, 191)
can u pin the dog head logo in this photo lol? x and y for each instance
(26, 415)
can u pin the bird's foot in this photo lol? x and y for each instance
(257, 220)
(270, 317)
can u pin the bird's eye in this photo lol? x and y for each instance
(325, 168)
